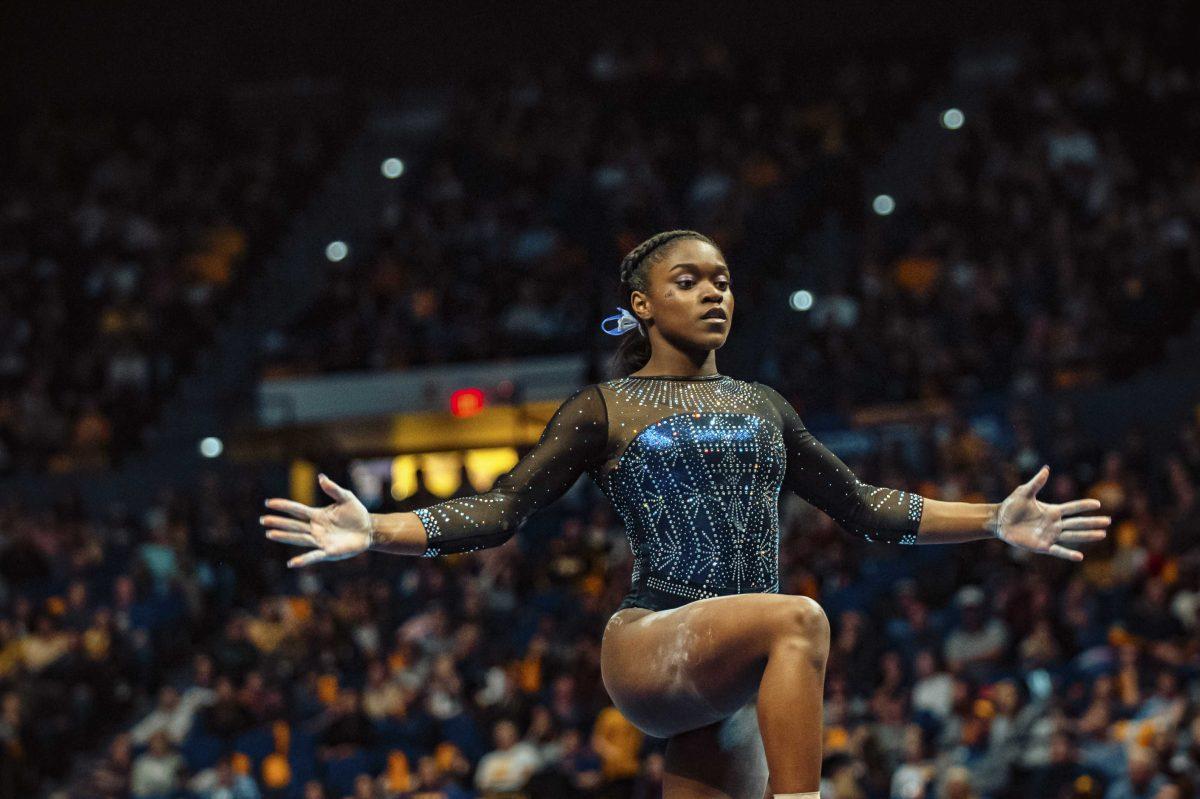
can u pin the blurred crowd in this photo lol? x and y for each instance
(961, 672)
(123, 235)
(1058, 246)
(544, 176)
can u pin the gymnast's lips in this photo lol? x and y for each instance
(715, 314)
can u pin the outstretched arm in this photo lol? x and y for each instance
(816, 475)
(573, 441)
(1020, 520)
(896, 516)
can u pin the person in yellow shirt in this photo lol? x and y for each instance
(267, 629)
(618, 743)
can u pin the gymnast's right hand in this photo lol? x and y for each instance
(338, 531)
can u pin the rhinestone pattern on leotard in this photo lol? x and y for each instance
(694, 467)
(698, 490)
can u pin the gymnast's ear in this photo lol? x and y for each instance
(639, 303)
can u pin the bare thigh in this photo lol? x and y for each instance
(671, 671)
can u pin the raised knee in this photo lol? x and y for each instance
(804, 623)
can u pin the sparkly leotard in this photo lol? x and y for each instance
(694, 467)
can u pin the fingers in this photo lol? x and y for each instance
(1083, 536)
(331, 488)
(294, 508)
(1037, 481)
(296, 539)
(284, 523)
(1085, 522)
(307, 559)
(1064, 553)
(1079, 506)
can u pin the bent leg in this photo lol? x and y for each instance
(790, 709)
(720, 761)
(678, 670)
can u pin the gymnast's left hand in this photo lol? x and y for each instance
(336, 532)
(1025, 522)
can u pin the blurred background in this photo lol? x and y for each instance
(240, 245)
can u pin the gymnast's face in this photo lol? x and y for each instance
(687, 282)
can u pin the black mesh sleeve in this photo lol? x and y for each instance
(816, 475)
(574, 440)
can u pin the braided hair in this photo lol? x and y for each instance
(634, 351)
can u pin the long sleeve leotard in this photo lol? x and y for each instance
(694, 467)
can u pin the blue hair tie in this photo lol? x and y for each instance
(625, 321)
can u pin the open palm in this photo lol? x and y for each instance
(1026, 522)
(338, 531)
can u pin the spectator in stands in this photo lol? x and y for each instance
(956, 784)
(980, 640)
(857, 653)
(933, 692)
(509, 766)
(364, 787)
(1142, 780)
(445, 694)
(430, 781)
(263, 702)
(200, 692)
(648, 784)
(220, 782)
(226, 717)
(46, 646)
(912, 779)
(346, 729)
(915, 629)
(111, 778)
(171, 716)
(618, 743)
(584, 766)
(78, 614)
(157, 771)
(235, 654)
(1185, 761)
(18, 764)
(1058, 775)
(382, 696)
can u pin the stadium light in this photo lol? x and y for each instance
(337, 251)
(953, 119)
(883, 204)
(211, 447)
(801, 300)
(392, 168)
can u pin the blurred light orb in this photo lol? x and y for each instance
(801, 300)
(336, 251)
(952, 119)
(392, 168)
(883, 204)
(211, 447)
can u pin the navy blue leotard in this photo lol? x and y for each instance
(694, 467)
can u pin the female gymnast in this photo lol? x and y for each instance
(703, 650)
